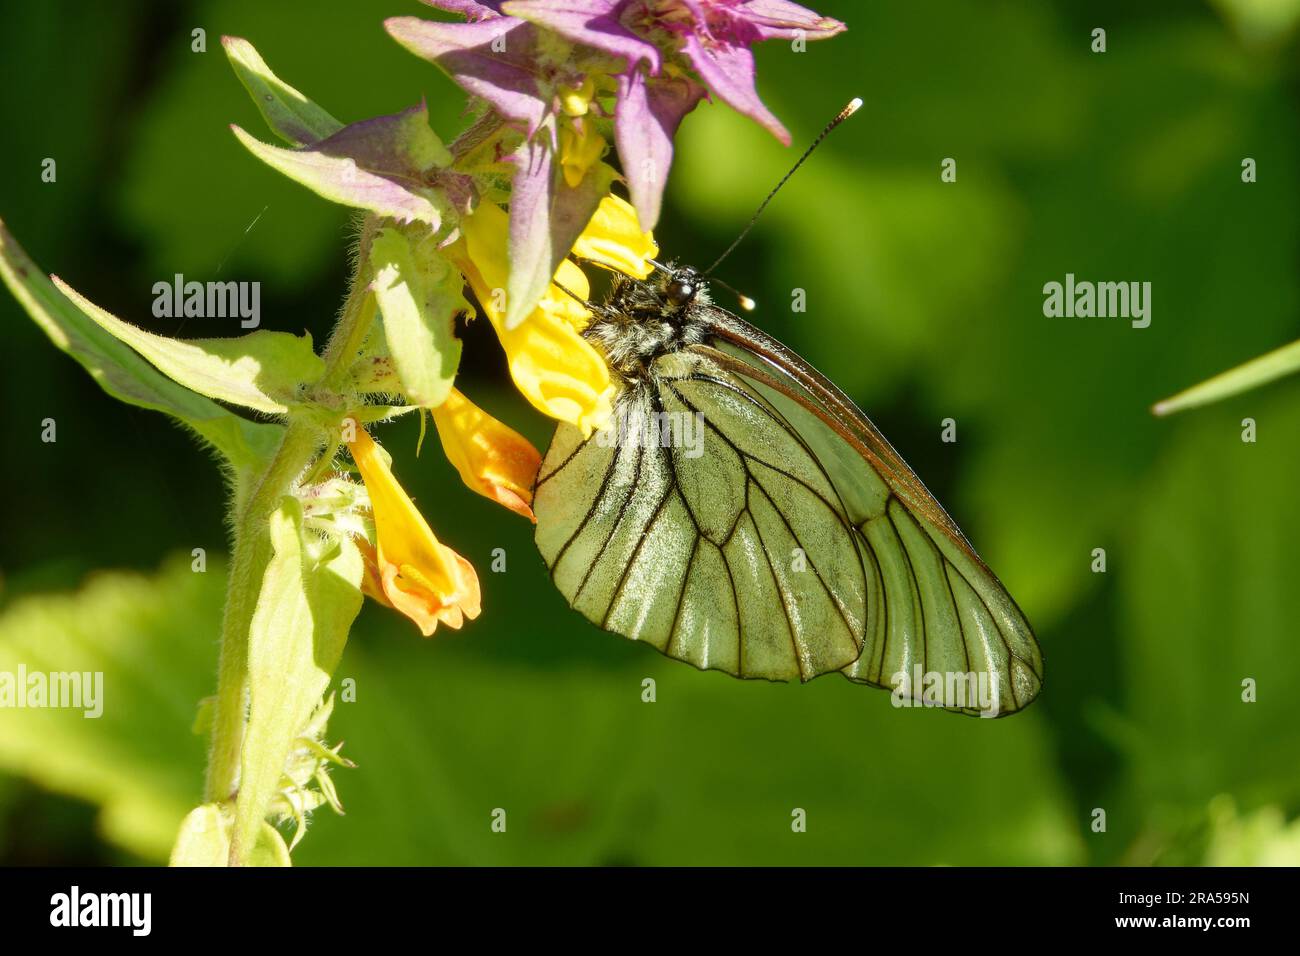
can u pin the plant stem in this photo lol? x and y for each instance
(354, 323)
(251, 554)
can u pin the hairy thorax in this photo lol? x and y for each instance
(642, 320)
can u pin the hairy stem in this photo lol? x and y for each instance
(358, 314)
(302, 440)
(252, 553)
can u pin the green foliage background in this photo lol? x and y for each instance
(924, 302)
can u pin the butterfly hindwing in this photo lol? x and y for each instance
(719, 545)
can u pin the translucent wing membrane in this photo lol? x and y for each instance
(744, 515)
(719, 542)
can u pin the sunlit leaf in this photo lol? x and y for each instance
(289, 113)
(262, 370)
(380, 165)
(119, 370)
(419, 298)
(298, 632)
(1252, 374)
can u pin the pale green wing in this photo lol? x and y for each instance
(723, 544)
(935, 611)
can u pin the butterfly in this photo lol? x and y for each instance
(741, 513)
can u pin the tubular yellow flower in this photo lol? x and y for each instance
(580, 148)
(614, 238)
(409, 569)
(492, 458)
(552, 365)
(576, 100)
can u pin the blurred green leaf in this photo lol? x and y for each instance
(154, 640)
(1262, 21)
(707, 774)
(1252, 374)
(1207, 578)
(1261, 838)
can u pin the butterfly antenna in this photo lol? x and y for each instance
(839, 118)
(745, 301)
(593, 307)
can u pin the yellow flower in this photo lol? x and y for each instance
(552, 365)
(614, 238)
(492, 458)
(580, 148)
(409, 569)
(576, 100)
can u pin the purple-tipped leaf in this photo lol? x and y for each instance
(649, 111)
(492, 59)
(469, 9)
(728, 72)
(384, 165)
(401, 144)
(546, 218)
(782, 20)
(594, 23)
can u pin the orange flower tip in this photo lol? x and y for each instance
(515, 502)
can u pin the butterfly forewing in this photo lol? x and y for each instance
(744, 515)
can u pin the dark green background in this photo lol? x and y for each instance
(924, 302)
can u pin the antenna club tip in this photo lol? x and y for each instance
(855, 104)
(746, 303)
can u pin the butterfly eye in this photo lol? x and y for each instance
(680, 292)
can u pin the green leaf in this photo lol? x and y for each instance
(124, 374)
(589, 774)
(204, 840)
(290, 114)
(262, 370)
(1252, 374)
(1262, 838)
(270, 849)
(1208, 599)
(1262, 22)
(152, 639)
(385, 165)
(419, 298)
(298, 632)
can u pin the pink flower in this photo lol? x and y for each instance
(665, 55)
(653, 37)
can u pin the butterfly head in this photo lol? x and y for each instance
(682, 288)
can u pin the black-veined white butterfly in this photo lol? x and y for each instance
(786, 539)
